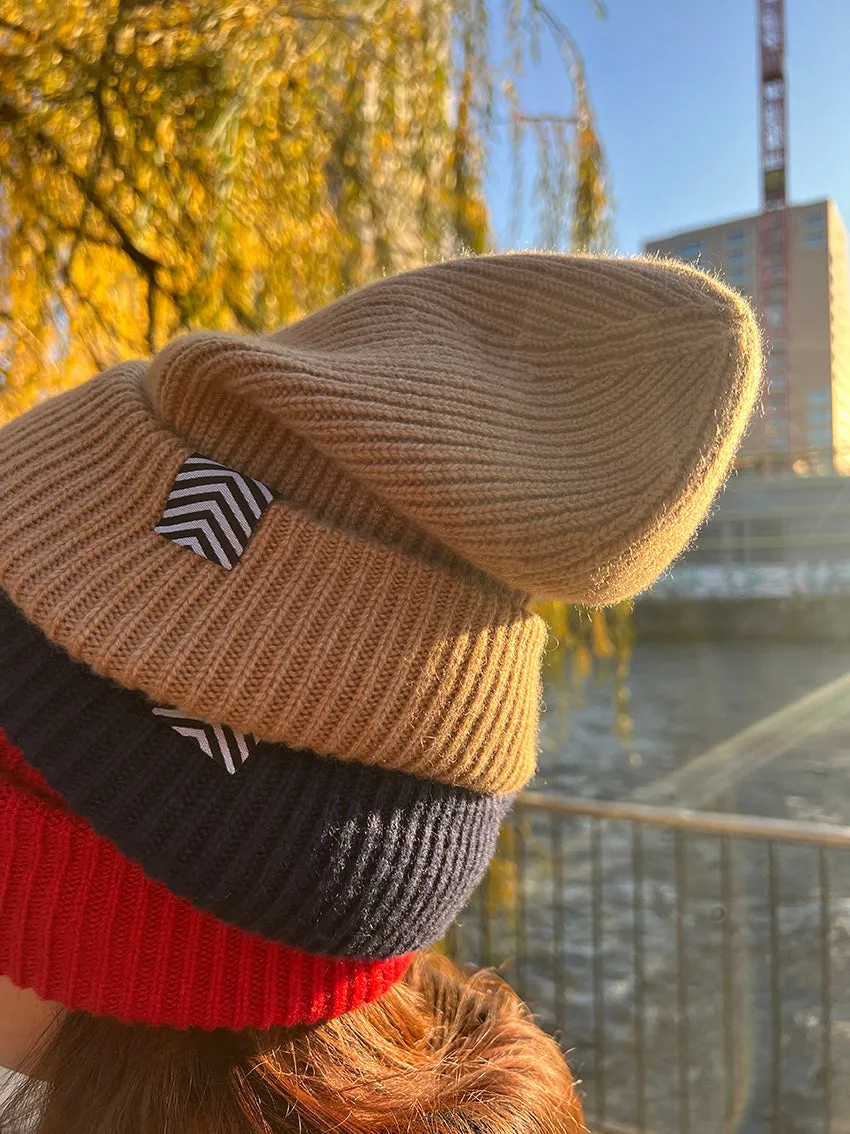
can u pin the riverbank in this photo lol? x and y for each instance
(793, 618)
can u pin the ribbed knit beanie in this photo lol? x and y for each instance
(269, 665)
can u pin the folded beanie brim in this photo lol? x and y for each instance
(320, 638)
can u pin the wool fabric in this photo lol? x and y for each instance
(82, 925)
(329, 856)
(439, 446)
(314, 554)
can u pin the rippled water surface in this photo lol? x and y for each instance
(703, 983)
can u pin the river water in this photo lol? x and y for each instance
(702, 984)
(686, 698)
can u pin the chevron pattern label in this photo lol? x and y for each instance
(213, 510)
(225, 745)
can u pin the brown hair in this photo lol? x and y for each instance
(444, 1052)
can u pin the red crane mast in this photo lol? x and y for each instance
(773, 235)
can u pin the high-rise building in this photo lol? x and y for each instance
(805, 419)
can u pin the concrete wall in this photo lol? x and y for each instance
(790, 619)
(788, 519)
(772, 562)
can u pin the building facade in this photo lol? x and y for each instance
(804, 423)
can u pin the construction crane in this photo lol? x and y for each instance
(773, 236)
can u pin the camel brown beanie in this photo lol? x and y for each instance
(387, 483)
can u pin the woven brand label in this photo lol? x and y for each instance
(225, 745)
(213, 510)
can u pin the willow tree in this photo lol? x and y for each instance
(168, 164)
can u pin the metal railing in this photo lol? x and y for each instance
(695, 964)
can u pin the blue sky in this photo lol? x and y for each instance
(674, 86)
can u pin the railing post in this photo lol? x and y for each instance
(640, 975)
(597, 974)
(826, 987)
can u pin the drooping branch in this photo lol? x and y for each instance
(33, 36)
(10, 115)
(159, 208)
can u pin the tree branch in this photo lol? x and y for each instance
(79, 234)
(36, 37)
(244, 317)
(10, 115)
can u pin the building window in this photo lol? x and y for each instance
(822, 438)
(776, 367)
(735, 240)
(818, 397)
(690, 251)
(819, 417)
(774, 313)
(814, 230)
(738, 279)
(776, 420)
(776, 359)
(736, 257)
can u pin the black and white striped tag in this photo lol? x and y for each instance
(221, 743)
(213, 510)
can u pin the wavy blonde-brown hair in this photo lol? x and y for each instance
(444, 1052)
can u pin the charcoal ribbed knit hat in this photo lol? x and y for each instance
(266, 613)
(335, 857)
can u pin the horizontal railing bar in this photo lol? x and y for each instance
(787, 542)
(727, 512)
(614, 1128)
(685, 819)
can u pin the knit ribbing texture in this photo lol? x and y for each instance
(443, 444)
(328, 856)
(320, 638)
(82, 925)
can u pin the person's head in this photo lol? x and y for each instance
(270, 678)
